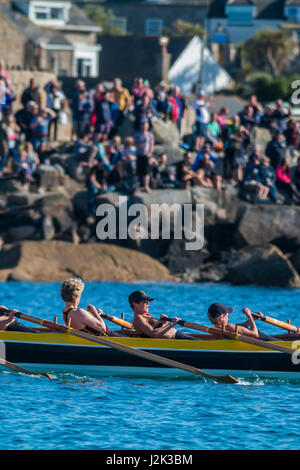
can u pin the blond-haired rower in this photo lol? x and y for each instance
(89, 320)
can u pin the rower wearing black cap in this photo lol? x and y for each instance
(147, 326)
(218, 315)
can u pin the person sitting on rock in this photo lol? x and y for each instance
(149, 327)
(9, 323)
(88, 321)
(267, 178)
(296, 177)
(184, 172)
(206, 174)
(218, 315)
(284, 180)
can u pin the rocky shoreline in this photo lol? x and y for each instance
(51, 235)
(47, 232)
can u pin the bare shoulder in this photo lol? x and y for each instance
(79, 312)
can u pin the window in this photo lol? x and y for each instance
(57, 13)
(46, 13)
(119, 22)
(153, 27)
(293, 14)
(242, 16)
(41, 13)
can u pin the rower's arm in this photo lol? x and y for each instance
(5, 321)
(89, 320)
(141, 324)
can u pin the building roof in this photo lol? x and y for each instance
(292, 3)
(130, 56)
(240, 2)
(77, 18)
(265, 9)
(33, 33)
(201, 3)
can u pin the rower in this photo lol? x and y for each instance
(89, 320)
(149, 327)
(9, 323)
(218, 315)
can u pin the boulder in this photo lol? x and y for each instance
(295, 259)
(60, 211)
(261, 137)
(280, 225)
(165, 132)
(174, 154)
(179, 260)
(50, 177)
(262, 265)
(22, 232)
(58, 260)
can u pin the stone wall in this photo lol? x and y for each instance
(12, 44)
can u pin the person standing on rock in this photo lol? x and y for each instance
(88, 321)
(144, 142)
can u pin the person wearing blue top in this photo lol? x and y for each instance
(199, 157)
(267, 177)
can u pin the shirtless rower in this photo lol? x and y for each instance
(150, 327)
(89, 320)
(218, 315)
(9, 323)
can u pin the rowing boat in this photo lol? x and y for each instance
(60, 352)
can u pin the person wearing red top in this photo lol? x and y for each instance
(284, 180)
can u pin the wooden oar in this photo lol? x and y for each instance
(245, 339)
(279, 323)
(12, 366)
(126, 349)
(116, 320)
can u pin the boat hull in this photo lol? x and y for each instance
(55, 352)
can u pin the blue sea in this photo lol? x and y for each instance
(125, 413)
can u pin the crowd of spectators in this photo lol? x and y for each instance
(221, 149)
(260, 173)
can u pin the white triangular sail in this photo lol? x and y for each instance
(185, 71)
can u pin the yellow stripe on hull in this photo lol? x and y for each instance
(144, 343)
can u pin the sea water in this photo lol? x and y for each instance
(86, 413)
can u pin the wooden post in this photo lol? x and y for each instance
(55, 319)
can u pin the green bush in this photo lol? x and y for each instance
(268, 88)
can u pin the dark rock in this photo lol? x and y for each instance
(263, 265)
(49, 177)
(22, 232)
(295, 259)
(178, 259)
(280, 225)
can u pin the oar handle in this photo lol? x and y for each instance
(180, 322)
(116, 320)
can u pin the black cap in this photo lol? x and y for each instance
(216, 310)
(139, 296)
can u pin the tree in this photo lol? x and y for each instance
(188, 29)
(269, 50)
(102, 17)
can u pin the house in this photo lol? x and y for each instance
(49, 35)
(128, 57)
(152, 17)
(232, 22)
